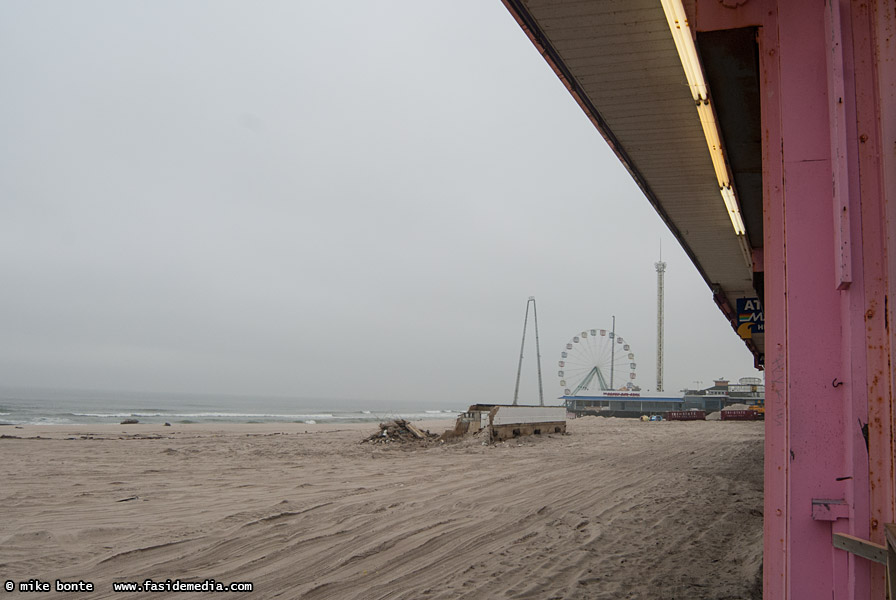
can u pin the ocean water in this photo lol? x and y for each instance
(20, 406)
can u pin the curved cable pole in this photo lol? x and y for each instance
(537, 350)
(519, 369)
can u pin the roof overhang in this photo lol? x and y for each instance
(619, 61)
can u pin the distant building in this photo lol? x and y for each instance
(748, 390)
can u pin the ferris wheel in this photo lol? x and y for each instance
(596, 360)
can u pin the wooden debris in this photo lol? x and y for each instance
(399, 431)
(420, 435)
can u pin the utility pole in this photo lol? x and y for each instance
(519, 370)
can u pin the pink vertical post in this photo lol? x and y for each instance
(815, 421)
(851, 574)
(776, 556)
(874, 56)
(879, 158)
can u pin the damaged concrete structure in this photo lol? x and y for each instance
(504, 421)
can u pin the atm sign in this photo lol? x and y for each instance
(750, 317)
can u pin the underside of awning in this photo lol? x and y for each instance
(619, 61)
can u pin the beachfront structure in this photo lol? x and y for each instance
(748, 391)
(763, 132)
(622, 404)
(504, 422)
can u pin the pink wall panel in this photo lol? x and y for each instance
(815, 333)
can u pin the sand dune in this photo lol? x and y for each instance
(614, 509)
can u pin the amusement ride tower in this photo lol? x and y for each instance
(516, 393)
(660, 271)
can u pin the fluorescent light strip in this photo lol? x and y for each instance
(715, 144)
(690, 62)
(687, 53)
(731, 205)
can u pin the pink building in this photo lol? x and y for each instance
(764, 134)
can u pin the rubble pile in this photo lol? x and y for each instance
(399, 431)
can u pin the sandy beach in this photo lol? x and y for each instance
(614, 509)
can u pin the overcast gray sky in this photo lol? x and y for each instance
(316, 199)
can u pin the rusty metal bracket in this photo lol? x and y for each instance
(824, 509)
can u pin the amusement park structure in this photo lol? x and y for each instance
(660, 270)
(519, 370)
(592, 359)
(631, 402)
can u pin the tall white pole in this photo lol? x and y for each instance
(660, 270)
(519, 369)
(537, 351)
